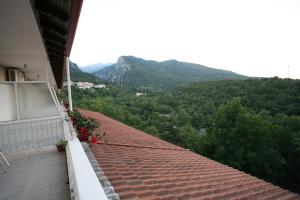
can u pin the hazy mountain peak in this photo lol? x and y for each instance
(94, 67)
(131, 59)
(122, 60)
(171, 60)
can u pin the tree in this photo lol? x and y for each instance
(181, 118)
(242, 139)
(152, 130)
(288, 139)
(189, 138)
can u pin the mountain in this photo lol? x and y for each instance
(78, 75)
(135, 72)
(95, 67)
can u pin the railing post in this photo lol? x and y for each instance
(17, 101)
(69, 84)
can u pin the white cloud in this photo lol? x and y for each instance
(252, 37)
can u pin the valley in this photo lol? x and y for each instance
(249, 124)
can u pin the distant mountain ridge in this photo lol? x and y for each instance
(77, 75)
(136, 72)
(95, 67)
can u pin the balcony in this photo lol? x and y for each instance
(32, 123)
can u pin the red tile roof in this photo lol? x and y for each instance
(140, 166)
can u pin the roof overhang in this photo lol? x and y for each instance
(37, 35)
(57, 21)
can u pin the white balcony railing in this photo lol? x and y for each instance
(30, 116)
(24, 135)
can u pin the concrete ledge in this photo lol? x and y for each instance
(84, 184)
(108, 188)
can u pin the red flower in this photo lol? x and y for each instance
(86, 134)
(94, 140)
(83, 134)
(82, 130)
(82, 137)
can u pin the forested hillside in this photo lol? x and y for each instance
(136, 72)
(78, 75)
(252, 125)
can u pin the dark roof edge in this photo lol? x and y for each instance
(143, 146)
(76, 9)
(73, 26)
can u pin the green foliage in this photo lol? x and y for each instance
(288, 140)
(62, 143)
(242, 139)
(273, 95)
(190, 138)
(152, 130)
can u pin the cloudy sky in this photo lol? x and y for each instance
(251, 37)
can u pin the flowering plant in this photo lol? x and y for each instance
(83, 134)
(97, 135)
(79, 121)
(88, 129)
(94, 139)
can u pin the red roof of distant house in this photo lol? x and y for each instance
(140, 166)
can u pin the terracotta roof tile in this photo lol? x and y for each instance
(140, 166)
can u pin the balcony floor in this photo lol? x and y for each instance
(40, 175)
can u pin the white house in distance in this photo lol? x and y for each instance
(100, 86)
(88, 85)
(85, 85)
(140, 94)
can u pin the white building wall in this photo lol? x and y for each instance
(8, 110)
(2, 74)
